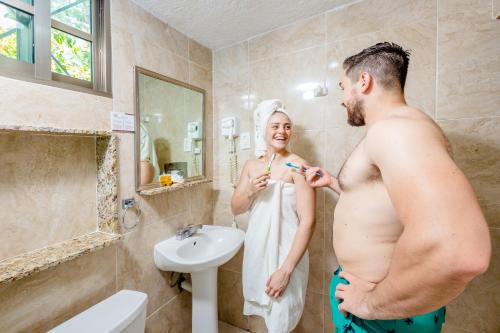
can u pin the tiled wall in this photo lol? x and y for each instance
(454, 77)
(39, 302)
(51, 181)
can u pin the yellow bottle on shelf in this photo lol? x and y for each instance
(166, 180)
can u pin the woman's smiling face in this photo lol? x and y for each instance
(278, 131)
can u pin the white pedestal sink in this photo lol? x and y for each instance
(200, 255)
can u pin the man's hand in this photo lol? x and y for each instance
(312, 176)
(355, 296)
(277, 283)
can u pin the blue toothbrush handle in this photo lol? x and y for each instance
(289, 164)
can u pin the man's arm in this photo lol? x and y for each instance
(315, 181)
(445, 242)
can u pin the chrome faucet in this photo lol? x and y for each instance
(187, 231)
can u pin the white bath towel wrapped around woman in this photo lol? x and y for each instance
(273, 222)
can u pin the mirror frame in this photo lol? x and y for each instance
(137, 140)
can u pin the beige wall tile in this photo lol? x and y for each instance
(43, 301)
(476, 146)
(496, 9)
(231, 98)
(173, 317)
(257, 324)
(316, 248)
(312, 318)
(236, 263)
(453, 329)
(327, 318)
(48, 190)
(468, 62)
(158, 59)
(341, 142)
(126, 165)
(201, 77)
(376, 15)
(309, 144)
(123, 70)
(177, 42)
(330, 263)
(284, 78)
(226, 328)
(235, 56)
(482, 295)
(28, 104)
(297, 36)
(136, 269)
(419, 37)
(201, 203)
(230, 298)
(200, 54)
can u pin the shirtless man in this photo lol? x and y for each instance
(409, 234)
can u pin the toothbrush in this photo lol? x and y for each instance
(291, 165)
(273, 156)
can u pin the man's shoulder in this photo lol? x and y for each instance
(409, 130)
(405, 124)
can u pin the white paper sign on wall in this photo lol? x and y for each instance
(122, 122)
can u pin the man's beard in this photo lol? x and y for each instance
(355, 113)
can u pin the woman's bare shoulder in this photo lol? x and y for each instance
(253, 163)
(296, 159)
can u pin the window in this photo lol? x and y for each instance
(57, 40)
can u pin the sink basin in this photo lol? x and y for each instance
(210, 246)
(200, 255)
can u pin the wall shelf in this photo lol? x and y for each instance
(53, 130)
(18, 267)
(174, 187)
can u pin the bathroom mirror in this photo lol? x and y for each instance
(169, 130)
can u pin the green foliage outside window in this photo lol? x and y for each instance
(8, 46)
(71, 55)
(16, 34)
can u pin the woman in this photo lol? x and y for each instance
(281, 223)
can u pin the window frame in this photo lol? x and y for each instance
(40, 71)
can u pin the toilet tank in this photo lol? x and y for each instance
(123, 312)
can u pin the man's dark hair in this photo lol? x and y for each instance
(387, 62)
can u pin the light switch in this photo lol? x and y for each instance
(245, 141)
(188, 144)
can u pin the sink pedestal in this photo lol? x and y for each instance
(204, 312)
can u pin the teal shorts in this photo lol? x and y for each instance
(426, 323)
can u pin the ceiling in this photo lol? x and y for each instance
(220, 23)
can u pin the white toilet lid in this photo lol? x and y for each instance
(109, 316)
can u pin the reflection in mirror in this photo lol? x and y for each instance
(169, 130)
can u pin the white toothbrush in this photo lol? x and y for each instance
(273, 156)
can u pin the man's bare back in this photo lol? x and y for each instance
(366, 226)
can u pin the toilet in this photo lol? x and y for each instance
(123, 312)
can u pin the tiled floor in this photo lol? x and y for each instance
(226, 328)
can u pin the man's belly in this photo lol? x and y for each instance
(365, 232)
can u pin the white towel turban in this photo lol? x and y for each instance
(261, 116)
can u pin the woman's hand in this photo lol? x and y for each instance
(256, 184)
(277, 283)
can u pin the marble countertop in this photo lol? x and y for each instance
(54, 131)
(177, 186)
(18, 267)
